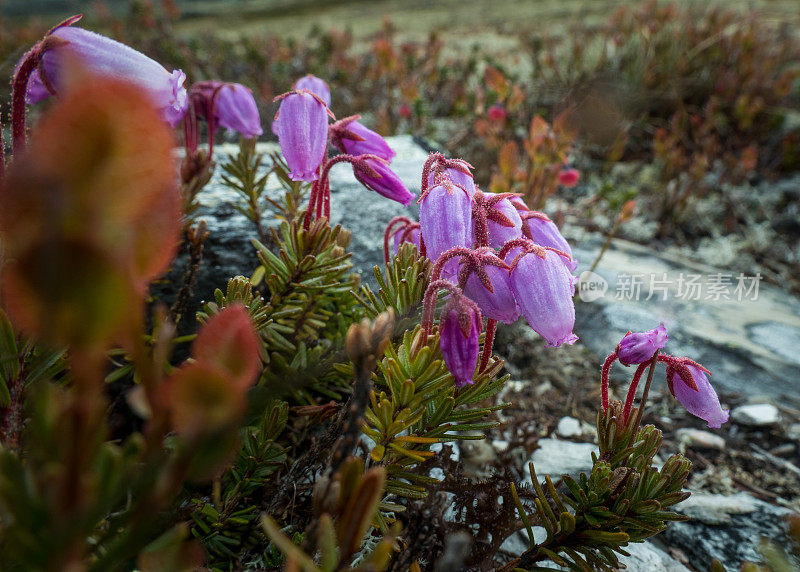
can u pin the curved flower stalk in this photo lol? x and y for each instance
(399, 230)
(41, 72)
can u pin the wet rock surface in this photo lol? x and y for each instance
(727, 528)
(745, 343)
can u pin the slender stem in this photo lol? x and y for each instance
(646, 389)
(632, 389)
(429, 304)
(436, 273)
(312, 199)
(18, 105)
(604, 378)
(390, 232)
(606, 244)
(488, 342)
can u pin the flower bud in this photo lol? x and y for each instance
(302, 125)
(458, 339)
(639, 347)
(104, 57)
(314, 85)
(386, 183)
(702, 402)
(543, 288)
(569, 177)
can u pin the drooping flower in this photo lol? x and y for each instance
(702, 402)
(353, 138)
(232, 105)
(445, 218)
(490, 288)
(315, 85)
(104, 57)
(380, 178)
(458, 338)
(540, 229)
(543, 288)
(404, 111)
(639, 347)
(569, 177)
(302, 125)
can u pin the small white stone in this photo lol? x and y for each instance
(700, 439)
(568, 427)
(555, 458)
(793, 432)
(756, 415)
(500, 445)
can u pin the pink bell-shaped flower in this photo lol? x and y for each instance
(380, 178)
(544, 290)
(701, 402)
(459, 330)
(540, 229)
(104, 57)
(445, 218)
(498, 302)
(302, 125)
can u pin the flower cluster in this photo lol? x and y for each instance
(495, 256)
(686, 379)
(304, 134)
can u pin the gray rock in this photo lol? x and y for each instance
(646, 556)
(555, 458)
(748, 344)
(756, 415)
(696, 438)
(725, 527)
(717, 509)
(793, 432)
